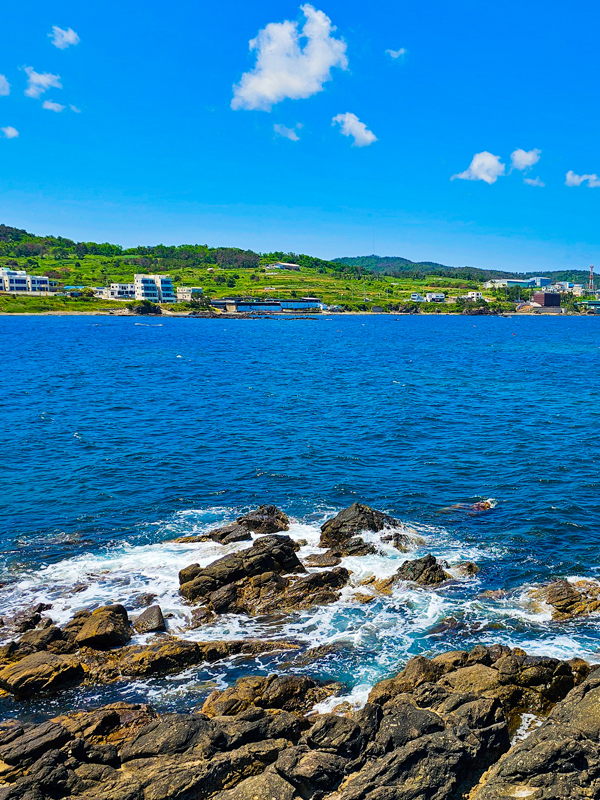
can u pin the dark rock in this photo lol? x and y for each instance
(424, 571)
(39, 672)
(106, 627)
(266, 519)
(328, 559)
(201, 616)
(339, 735)
(143, 600)
(436, 731)
(28, 618)
(271, 593)
(561, 759)
(350, 522)
(231, 533)
(267, 554)
(356, 546)
(33, 743)
(286, 692)
(150, 620)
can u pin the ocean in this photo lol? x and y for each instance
(122, 434)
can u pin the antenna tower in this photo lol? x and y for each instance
(591, 284)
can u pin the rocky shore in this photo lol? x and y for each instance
(485, 723)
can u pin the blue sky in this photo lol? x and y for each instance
(330, 145)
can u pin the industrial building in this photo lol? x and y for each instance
(546, 299)
(251, 305)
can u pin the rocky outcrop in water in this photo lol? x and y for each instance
(272, 593)
(425, 571)
(150, 621)
(430, 733)
(570, 599)
(44, 671)
(275, 554)
(341, 533)
(264, 520)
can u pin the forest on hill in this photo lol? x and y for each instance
(399, 267)
(19, 243)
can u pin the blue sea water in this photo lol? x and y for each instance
(121, 434)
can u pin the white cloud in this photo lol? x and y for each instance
(286, 68)
(4, 86)
(50, 106)
(524, 159)
(287, 133)
(62, 39)
(484, 167)
(9, 132)
(75, 109)
(40, 82)
(352, 126)
(533, 182)
(572, 179)
(397, 53)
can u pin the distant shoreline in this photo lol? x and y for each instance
(274, 316)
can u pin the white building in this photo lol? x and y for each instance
(117, 291)
(17, 280)
(188, 293)
(285, 265)
(417, 298)
(156, 288)
(474, 295)
(435, 297)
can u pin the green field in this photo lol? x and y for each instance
(221, 272)
(351, 291)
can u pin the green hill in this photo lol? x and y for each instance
(402, 267)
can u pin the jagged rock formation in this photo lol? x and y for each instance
(275, 554)
(264, 520)
(430, 733)
(570, 600)
(341, 533)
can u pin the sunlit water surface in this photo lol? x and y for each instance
(121, 435)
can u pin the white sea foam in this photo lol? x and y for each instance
(388, 629)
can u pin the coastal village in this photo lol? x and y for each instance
(540, 295)
(52, 274)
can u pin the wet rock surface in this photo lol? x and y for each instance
(266, 519)
(104, 628)
(438, 730)
(275, 554)
(345, 528)
(150, 621)
(568, 599)
(271, 593)
(425, 571)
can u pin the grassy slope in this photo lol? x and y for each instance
(330, 286)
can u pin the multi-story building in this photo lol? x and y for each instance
(17, 280)
(188, 293)
(435, 297)
(156, 288)
(117, 291)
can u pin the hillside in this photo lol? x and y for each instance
(220, 271)
(402, 267)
